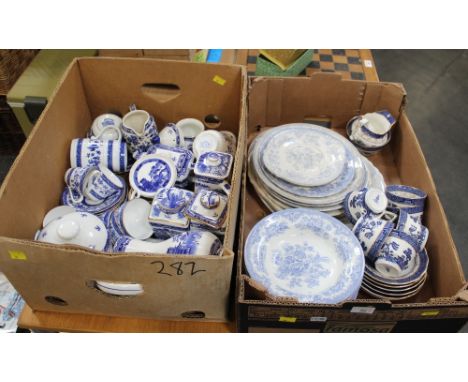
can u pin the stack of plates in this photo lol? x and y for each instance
(376, 285)
(306, 255)
(304, 165)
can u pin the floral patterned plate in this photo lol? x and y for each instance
(306, 255)
(304, 155)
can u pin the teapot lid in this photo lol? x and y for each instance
(171, 200)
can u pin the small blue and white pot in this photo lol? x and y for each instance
(397, 256)
(171, 136)
(410, 225)
(190, 128)
(364, 202)
(139, 130)
(372, 231)
(102, 184)
(406, 196)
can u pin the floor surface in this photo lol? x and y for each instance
(437, 85)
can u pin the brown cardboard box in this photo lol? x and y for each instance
(442, 304)
(60, 278)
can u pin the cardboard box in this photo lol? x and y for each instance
(442, 303)
(61, 278)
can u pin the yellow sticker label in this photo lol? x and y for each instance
(219, 80)
(18, 255)
(430, 313)
(287, 319)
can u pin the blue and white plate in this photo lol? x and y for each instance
(151, 173)
(306, 255)
(304, 155)
(96, 209)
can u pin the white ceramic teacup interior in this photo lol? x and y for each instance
(190, 127)
(376, 123)
(135, 219)
(136, 120)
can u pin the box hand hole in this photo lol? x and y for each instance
(193, 314)
(116, 289)
(161, 92)
(54, 300)
(212, 121)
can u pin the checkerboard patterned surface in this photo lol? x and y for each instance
(347, 62)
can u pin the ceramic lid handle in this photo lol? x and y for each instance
(68, 230)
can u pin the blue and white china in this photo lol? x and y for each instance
(419, 271)
(194, 243)
(396, 257)
(92, 152)
(102, 184)
(209, 207)
(131, 219)
(151, 173)
(84, 206)
(405, 196)
(371, 231)
(305, 255)
(55, 213)
(210, 184)
(411, 226)
(363, 202)
(213, 165)
(77, 179)
(392, 294)
(190, 128)
(181, 157)
(79, 228)
(106, 127)
(139, 130)
(231, 141)
(209, 140)
(171, 136)
(304, 155)
(119, 289)
(167, 209)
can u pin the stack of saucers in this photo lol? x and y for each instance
(304, 165)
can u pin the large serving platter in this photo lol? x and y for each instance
(306, 255)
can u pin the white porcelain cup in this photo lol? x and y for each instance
(93, 152)
(106, 127)
(171, 136)
(209, 140)
(76, 179)
(132, 219)
(412, 226)
(190, 128)
(371, 232)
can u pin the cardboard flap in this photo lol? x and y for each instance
(154, 83)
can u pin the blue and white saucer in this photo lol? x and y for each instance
(96, 209)
(151, 173)
(306, 255)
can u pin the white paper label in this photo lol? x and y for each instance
(368, 63)
(363, 309)
(318, 319)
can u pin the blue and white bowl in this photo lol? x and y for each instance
(405, 196)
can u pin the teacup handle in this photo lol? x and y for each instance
(101, 133)
(133, 194)
(132, 107)
(72, 197)
(225, 187)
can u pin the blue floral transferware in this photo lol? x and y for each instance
(306, 255)
(371, 232)
(213, 165)
(304, 155)
(396, 257)
(182, 158)
(139, 130)
(167, 209)
(151, 173)
(208, 207)
(407, 196)
(111, 202)
(412, 226)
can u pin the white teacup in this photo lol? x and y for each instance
(372, 231)
(397, 256)
(102, 184)
(76, 179)
(107, 127)
(171, 136)
(190, 128)
(412, 226)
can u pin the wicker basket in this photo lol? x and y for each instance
(12, 64)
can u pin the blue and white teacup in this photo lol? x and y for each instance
(76, 179)
(411, 225)
(397, 256)
(139, 130)
(102, 184)
(93, 152)
(171, 136)
(106, 127)
(371, 231)
(405, 196)
(363, 202)
(190, 128)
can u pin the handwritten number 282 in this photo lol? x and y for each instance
(179, 267)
